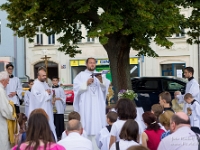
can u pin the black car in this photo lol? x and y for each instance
(149, 88)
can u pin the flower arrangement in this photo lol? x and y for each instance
(130, 94)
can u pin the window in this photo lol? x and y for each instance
(1, 66)
(89, 39)
(39, 37)
(0, 31)
(51, 39)
(181, 34)
(172, 86)
(148, 85)
(173, 69)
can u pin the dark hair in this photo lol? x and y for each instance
(137, 147)
(89, 59)
(166, 96)
(177, 120)
(38, 129)
(157, 109)
(74, 115)
(112, 116)
(9, 65)
(188, 95)
(21, 118)
(30, 81)
(130, 131)
(125, 109)
(190, 69)
(151, 121)
(55, 77)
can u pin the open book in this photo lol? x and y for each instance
(99, 73)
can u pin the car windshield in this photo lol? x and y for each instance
(25, 85)
(67, 87)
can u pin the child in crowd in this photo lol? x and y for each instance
(165, 101)
(129, 136)
(157, 110)
(27, 96)
(22, 120)
(125, 110)
(103, 138)
(193, 111)
(165, 121)
(151, 136)
(74, 115)
(175, 105)
(59, 103)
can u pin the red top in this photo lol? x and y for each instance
(153, 138)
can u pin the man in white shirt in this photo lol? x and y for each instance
(6, 111)
(192, 87)
(74, 140)
(14, 88)
(41, 97)
(183, 137)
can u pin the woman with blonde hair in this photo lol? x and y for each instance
(164, 119)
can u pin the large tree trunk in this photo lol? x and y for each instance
(118, 50)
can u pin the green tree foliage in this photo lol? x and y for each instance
(120, 26)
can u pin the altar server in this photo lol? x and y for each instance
(27, 96)
(14, 88)
(59, 100)
(192, 87)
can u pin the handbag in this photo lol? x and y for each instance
(20, 100)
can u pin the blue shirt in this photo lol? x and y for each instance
(165, 134)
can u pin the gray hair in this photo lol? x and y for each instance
(73, 125)
(4, 75)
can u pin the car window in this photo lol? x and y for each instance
(172, 86)
(67, 87)
(148, 85)
(25, 85)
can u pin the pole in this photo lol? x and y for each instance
(46, 63)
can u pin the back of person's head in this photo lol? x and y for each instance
(38, 129)
(166, 96)
(151, 121)
(125, 109)
(40, 111)
(157, 110)
(165, 117)
(21, 118)
(187, 96)
(73, 125)
(130, 131)
(180, 118)
(112, 116)
(137, 147)
(74, 115)
(4, 75)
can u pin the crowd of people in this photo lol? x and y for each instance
(170, 125)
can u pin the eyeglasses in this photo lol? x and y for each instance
(10, 68)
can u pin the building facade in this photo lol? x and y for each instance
(169, 63)
(12, 48)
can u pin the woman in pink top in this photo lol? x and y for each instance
(151, 136)
(38, 135)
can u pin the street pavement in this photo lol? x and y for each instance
(69, 108)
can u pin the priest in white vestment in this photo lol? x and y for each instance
(6, 111)
(192, 87)
(41, 97)
(90, 98)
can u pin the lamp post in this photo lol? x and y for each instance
(45, 58)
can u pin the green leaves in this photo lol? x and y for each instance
(142, 20)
